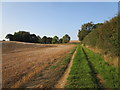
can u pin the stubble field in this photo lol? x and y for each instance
(23, 61)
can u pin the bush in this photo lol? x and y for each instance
(105, 37)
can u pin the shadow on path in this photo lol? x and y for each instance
(93, 72)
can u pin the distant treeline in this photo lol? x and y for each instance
(24, 36)
(102, 36)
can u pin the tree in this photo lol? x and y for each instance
(55, 40)
(98, 25)
(88, 26)
(22, 36)
(66, 38)
(49, 40)
(44, 40)
(105, 37)
(39, 39)
(10, 37)
(82, 34)
(85, 30)
(33, 38)
(61, 40)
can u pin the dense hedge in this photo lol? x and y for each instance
(105, 37)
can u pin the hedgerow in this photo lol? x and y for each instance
(105, 37)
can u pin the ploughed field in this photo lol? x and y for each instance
(21, 62)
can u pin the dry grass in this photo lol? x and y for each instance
(22, 61)
(74, 41)
(102, 81)
(108, 58)
(49, 76)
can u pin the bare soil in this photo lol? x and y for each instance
(63, 80)
(22, 61)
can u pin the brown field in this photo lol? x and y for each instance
(74, 41)
(22, 61)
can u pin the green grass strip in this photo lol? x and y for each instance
(108, 73)
(80, 74)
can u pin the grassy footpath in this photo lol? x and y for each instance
(80, 74)
(107, 72)
(89, 70)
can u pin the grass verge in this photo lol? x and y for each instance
(107, 72)
(89, 70)
(80, 74)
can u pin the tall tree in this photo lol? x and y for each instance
(39, 39)
(66, 38)
(49, 40)
(61, 40)
(55, 40)
(10, 37)
(33, 38)
(44, 40)
(85, 30)
(22, 36)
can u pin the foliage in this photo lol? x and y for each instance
(66, 38)
(105, 37)
(44, 40)
(10, 37)
(33, 38)
(82, 34)
(85, 30)
(39, 39)
(49, 40)
(24, 36)
(55, 40)
(60, 40)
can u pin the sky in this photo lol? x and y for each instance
(54, 18)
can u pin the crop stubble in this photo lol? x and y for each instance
(23, 61)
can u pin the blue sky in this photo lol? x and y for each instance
(54, 18)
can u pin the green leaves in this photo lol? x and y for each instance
(66, 38)
(105, 37)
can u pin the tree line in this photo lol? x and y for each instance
(24, 36)
(87, 28)
(102, 36)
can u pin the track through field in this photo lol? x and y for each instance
(63, 80)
